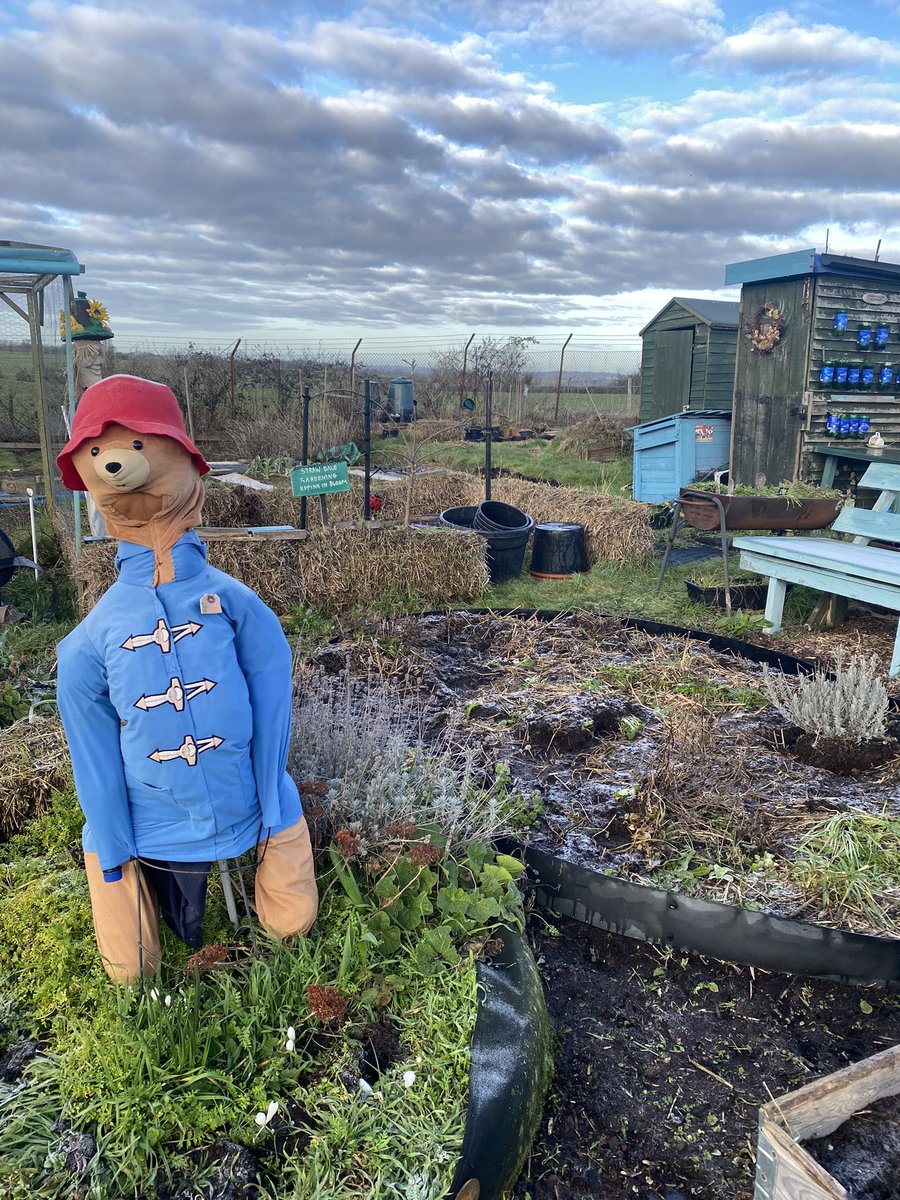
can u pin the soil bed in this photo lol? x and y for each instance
(663, 1059)
(863, 1154)
(653, 758)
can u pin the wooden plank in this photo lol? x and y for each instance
(824, 580)
(884, 476)
(826, 554)
(867, 523)
(821, 1106)
(786, 1172)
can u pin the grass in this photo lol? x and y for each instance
(536, 459)
(852, 862)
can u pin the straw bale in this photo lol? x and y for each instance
(332, 570)
(602, 430)
(615, 529)
(34, 763)
(432, 492)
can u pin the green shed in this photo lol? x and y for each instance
(804, 323)
(687, 360)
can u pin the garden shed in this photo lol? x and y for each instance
(820, 335)
(687, 360)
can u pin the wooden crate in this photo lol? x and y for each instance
(784, 1170)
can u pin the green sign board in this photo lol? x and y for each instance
(321, 479)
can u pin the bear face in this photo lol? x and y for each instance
(134, 475)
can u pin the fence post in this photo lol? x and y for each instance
(234, 351)
(305, 450)
(488, 422)
(559, 378)
(353, 368)
(462, 382)
(367, 449)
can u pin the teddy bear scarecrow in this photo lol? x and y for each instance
(175, 696)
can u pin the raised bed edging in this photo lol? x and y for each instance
(510, 1071)
(723, 931)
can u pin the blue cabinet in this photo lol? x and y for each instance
(678, 450)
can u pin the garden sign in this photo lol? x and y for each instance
(321, 479)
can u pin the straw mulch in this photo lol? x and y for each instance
(34, 763)
(615, 529)
(332, 570)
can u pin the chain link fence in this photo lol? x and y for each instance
(245, 399)
(242, 400)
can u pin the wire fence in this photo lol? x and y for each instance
(244, 398)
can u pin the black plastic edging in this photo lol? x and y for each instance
(722, 931)
(510, 1070)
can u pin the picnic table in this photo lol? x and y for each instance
(858, 453)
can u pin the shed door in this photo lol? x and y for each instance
(672, 385)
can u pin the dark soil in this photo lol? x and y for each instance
(863, 1154)
(663, 1060)
(837, 755)
(653, 758)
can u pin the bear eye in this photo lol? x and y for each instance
(95, 450)
(138, 445)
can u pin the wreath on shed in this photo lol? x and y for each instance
(766, 329)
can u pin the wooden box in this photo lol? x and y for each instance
(784, 1170)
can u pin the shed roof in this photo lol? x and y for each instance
(712, 312)
(809, 262)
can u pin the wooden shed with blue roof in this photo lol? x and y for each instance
(819, 337)
(687, 360)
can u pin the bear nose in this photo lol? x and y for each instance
(114, 468)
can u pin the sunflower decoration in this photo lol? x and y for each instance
(75, 326)
(88, 321)
(767, 328)
(98, 312)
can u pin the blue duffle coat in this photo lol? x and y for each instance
(176, 702)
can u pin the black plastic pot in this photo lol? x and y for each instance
(743, 595)
(504, 548)
(559, 550)
(493, 516)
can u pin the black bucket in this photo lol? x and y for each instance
(493, 515)
(559, 551)
(461, 517)
(505, 548)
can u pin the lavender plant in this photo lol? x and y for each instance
(852, 704)
(362, 741)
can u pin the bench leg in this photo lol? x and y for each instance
(894, 668)
(775, 604)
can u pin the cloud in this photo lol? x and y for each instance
(218, 176)
(779, 42)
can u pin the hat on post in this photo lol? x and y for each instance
(138, 404)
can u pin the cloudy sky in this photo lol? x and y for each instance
(285, 170)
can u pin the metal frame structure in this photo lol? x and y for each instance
(25, 271)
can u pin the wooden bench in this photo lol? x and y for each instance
(854, 569)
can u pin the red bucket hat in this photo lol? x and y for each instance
(126, 400)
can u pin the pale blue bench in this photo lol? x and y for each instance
(853, 569)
